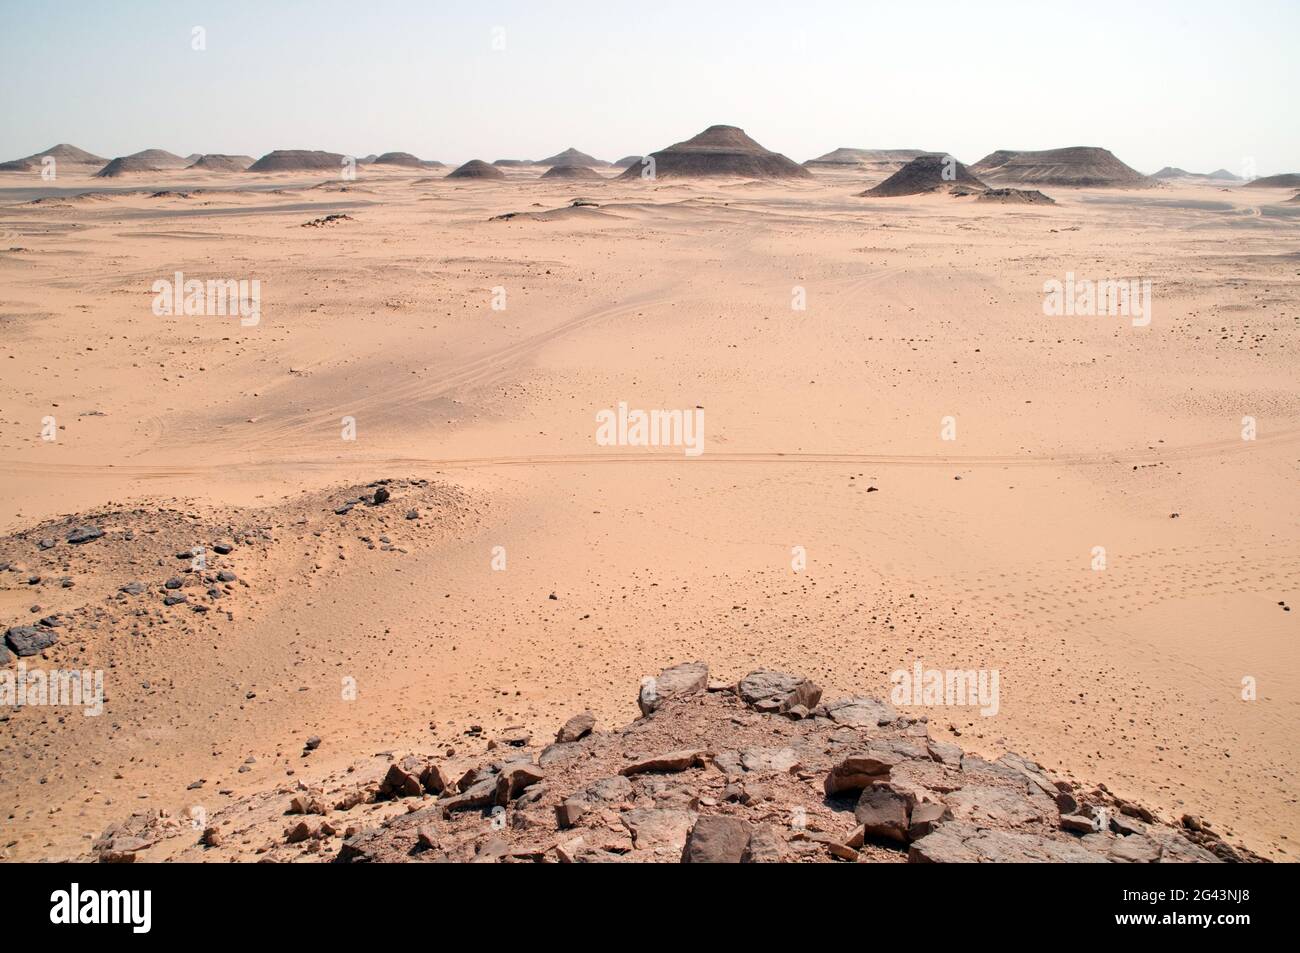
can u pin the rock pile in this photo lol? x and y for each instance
(757, 771)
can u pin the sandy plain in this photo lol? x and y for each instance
(975, 553)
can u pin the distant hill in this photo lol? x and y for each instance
(1086, 166)
(63, 155)
(1288, 180)
(721, 151)
(926, 173)
(476, 169)
(572, 156)
(298, 160)
(216, 162)
(149, 160)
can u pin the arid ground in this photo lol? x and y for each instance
(823, 430)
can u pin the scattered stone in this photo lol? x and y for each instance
(84, 534)
(28, 640)
(579, 726)
(668, 763)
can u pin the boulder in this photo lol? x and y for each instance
(28, 640)
(778, 692)
(861, 712)
(668, 763)
(481, 794)
(717, 839)
(402, 780)
(435, 779)
(658, 830)
(84, 534)
(514, 779)
(684, 679)
(1077, 823)
(780, 760)
(616, 788)
(925, 817)
(956, 842)
(883, 813)
(1134, 849)
(859, 771)
(569, 811)
(575, 728)
(765, 846)
(982, 804)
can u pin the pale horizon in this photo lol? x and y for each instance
(1179, 85)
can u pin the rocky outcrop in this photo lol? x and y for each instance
(714, 772)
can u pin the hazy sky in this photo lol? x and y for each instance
(1194, 84)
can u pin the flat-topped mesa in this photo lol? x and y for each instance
(1080, 166)
(476, 169)
(928, 173)
(850, 159)
(298, 160)
(720, 151)
(405, 160)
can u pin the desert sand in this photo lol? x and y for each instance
(472, 356)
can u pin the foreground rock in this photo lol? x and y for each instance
(714, 773)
